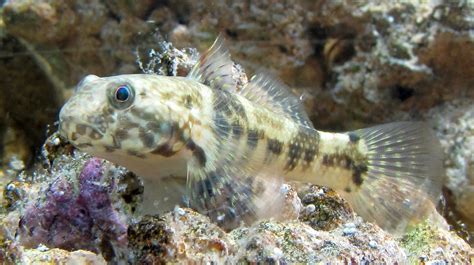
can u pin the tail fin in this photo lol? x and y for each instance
(404, 177)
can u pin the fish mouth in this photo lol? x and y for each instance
(79, 134)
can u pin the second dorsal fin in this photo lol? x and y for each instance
(214, 67)
(268, 91)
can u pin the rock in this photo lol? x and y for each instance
(59, 256)
(325, 210)
(72, 216)
(454, 123)
(30, 103)
(55, 17)
(16, 151)
(181, 236)
(77, 206)
(296, 242)
(124, 8)
(427, 244)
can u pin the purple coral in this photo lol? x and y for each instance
(72, 218)
(95, 196)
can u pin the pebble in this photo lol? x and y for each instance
(310, 208)
(349, 229)
(179, 210)
(373, 244)
(439, 251)
(278, 253)
(284, 189)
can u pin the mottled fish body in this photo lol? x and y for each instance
(234, 143)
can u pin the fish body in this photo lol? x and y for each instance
(229, 143)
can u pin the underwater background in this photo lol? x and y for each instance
(352, 63)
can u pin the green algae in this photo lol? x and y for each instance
(418, 241)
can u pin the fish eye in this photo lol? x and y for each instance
(121, 96)
(122, 93)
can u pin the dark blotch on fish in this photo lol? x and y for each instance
(236, 130)
(81, 129)
(147, 116)
(327, 161)
(309, 154)
(121, 134)
(165, 150)
(348, 162)
(147, 138)
(252, 138)
(188, 101)
(198, 152)
(357, 174)
(207, 186)
(294, 154)
(84, 145)
(338, 160)
(354, 138)
(110, 148)
(274, 146)
(229, 105)
(153, 126)
(133, 153)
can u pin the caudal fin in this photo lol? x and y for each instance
(404, 176)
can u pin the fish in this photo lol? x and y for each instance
(231, 146)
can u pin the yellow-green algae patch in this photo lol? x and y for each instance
(418, 240)
(427, 242)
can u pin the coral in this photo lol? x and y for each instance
(73, 216)
(95, 196)
(167, 60)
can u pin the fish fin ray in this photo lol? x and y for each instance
(230, 198)
(268, 91)
(403, 182)
(214, 67)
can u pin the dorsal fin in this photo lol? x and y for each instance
(268, 91)
(214, 68)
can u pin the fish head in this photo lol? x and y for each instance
(124, 114)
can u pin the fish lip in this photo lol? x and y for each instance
(67, 131)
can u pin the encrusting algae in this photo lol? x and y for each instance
(234, 145)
